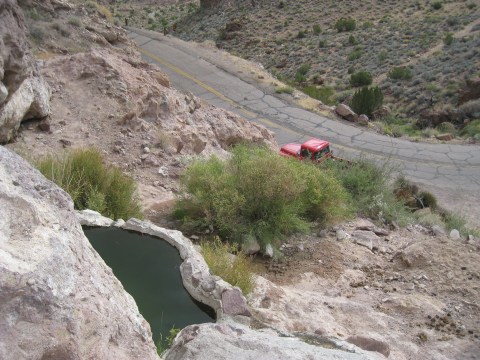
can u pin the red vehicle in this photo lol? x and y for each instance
(313, 149)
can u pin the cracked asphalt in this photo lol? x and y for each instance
(452, 167)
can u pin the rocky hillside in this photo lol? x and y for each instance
(420, 53)
(105, 96)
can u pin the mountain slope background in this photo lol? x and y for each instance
(434, 43)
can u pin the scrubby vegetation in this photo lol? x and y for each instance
(367, 100)
(92, 184)
(257, 193)
(237, 270)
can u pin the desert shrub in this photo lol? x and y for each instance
(472, 129)
(75, 21)
(361, 78)
(427, 199)
(324, 93)
(301, 34)
(37, 34)
(301, 74)
(355, 55)
(345, 24)
(61, 29)
(367, 100)
(400, 73)
(284, 90)
(447, 127)
(258, 193)
(382, 56)
(91, 184)
(316, 29)
(352, 40)
(429, 219)
(236, 271)
(448, 39)
(437, 5)
(367, 184)
(322, 43)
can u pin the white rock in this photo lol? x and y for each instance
(454, 234)
(269, 250)
(73, 299)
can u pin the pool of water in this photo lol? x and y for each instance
(148, 268)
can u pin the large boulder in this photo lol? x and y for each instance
(228, 340)
(24, 94)
(58, 299)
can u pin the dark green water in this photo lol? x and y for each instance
(148, 268)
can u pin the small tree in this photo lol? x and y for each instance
(367, 100)
(345, 24)
(400, 73)
(361, 78)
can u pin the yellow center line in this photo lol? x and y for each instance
(216, 92)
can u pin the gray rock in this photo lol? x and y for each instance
(363, 119)
(3, 93)
(250, 245)
(342, 235)
(365, 238)
(370, 344)
(59, 299)
(345, 112)
(234, 303)
(455, 234)
(438, 230)
(226, 341)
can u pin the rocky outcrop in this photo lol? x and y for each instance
(139, 94)
(229, 340)
(58, 299)
(24, 94)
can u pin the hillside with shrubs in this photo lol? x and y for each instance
(422, 55)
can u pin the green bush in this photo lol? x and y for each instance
(324, 93)
(258, 193)
(367, 184)
(301, 34)
(400, 73)
(355, 55)
(91, 184)
(367, 100)
(322, 43)
(236, 271)
(472, 129)
(301, 74)
(316, 29)
(437, 5)
(427, 199)
(345, 24)
(361, 78)
(352, 40)
(448, 39)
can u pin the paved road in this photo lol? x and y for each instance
(444, 166)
